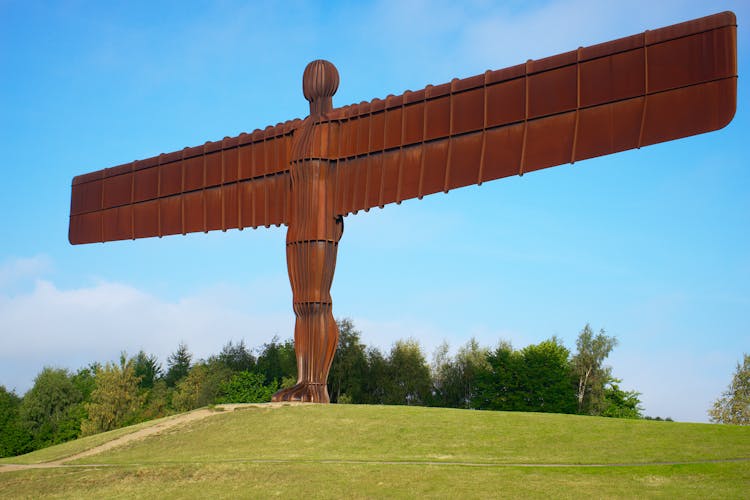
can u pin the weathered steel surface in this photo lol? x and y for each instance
(644, 89)
(311, 243)
(647, 88)
(234, 183)
(640, 90)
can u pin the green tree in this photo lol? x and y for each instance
(442, 372)
(733, 406)
(408, 380)
(454, 379)
(499, 387)
(14, 438)
(377, 379)
(85, 380)
(247, 387)
(153, 390)
(619, 403)
(201, 387)
(536, 378)
(589, 369)
(156, 401)
(178, 365)
(52, 409)
(349, 367)
(237, 357)
(547, 378)
(147, 369)
(471, 359)
(116, 399)
(189, 391)
(277, 360)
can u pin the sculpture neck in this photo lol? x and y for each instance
(321, 106)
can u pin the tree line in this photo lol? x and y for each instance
(544, 377)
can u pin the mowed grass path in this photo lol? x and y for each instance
(375, 451)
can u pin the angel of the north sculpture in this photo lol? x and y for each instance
(309, 174)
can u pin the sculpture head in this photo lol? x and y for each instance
(319, 82)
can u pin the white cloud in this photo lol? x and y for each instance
(71, 328)
(14, 270)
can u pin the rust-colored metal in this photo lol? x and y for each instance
(312, 241)
(308, 174)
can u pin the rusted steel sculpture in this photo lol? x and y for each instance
(308, 174)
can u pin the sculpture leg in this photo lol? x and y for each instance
(311, 246)
(311, 266)
(317, 335)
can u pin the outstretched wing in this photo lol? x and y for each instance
(644, 89)
(237, 182)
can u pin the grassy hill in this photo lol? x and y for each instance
(375, 451)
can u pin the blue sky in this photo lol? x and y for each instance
(651, 245)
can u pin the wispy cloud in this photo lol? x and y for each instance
(71, 328)
(14, 270)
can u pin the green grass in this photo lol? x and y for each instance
(64, 450)
(375, 451)
(391, 433)
(376, 481)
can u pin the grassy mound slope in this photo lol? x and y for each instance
(347, 450)
(62, 451)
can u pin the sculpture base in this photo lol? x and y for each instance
(303, 392)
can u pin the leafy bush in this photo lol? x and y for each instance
(247, 387)
(14, 438)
